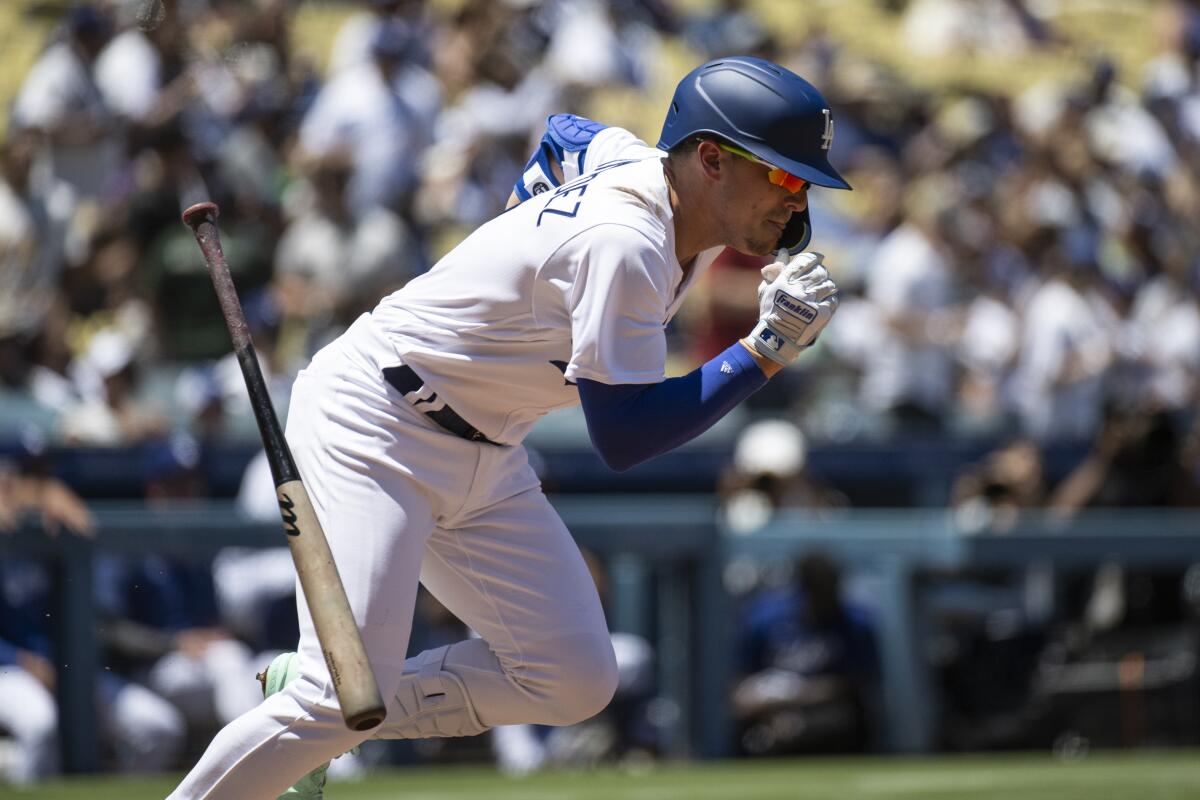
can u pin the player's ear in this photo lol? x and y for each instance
(708, 156)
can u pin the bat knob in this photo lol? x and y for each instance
(199, 213)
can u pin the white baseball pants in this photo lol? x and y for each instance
(403, 501)
(146, 732)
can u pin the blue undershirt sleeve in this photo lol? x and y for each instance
(631, 423)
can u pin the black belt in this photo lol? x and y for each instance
(408, 382)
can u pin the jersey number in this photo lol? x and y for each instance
(558, 202)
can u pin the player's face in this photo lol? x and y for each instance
(758, 204)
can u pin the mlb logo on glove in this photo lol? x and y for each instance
(769, 338)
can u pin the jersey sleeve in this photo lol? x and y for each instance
(616, 144)
(618, 307)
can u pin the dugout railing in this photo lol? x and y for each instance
(665, 557)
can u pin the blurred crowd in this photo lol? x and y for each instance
(1012, 261)
(1017, 264)
(335, 187)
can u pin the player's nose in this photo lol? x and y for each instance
(796, 202)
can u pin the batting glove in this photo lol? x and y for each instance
(795, 301)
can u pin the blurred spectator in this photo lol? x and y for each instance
(1066, 346)
(730, 27)
(111, 411)
(1120, 130)
(27, 671)
(33, 227)
(27, 486)
(1136, 460)
(935, 28)
(987, 351)
(143, 731)
(44, 373)
(499, 95)
(213, 394)
(1162, 338)
(1190, 466)
(172, 271)
(769, 473)
(141, 71)
(353, 43)
(61, 101)
(992, 496)
(330, 264)
(809, 665)
(911, 284)
(162, 625)
(592, 45)
(256, 587)
(360, 112)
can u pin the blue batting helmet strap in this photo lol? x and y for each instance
(766, 110)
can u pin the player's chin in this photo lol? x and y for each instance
(759, 245)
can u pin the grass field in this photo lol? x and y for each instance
(1171, 775)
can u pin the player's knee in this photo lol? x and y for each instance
(148, 732)
(584, 681)
(38, 721)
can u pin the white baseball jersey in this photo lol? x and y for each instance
(578, 282)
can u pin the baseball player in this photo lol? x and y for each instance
(408, 428)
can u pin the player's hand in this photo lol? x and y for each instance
(41, 668)
(771, 271)
(796, 300)
(62, 508)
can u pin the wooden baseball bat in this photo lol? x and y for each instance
(353, 680)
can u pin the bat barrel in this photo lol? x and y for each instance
(341, 642)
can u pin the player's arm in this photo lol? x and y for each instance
(629, 424)
(561, 156)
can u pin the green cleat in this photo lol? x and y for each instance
(281, 672)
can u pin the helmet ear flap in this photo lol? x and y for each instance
(797, 233)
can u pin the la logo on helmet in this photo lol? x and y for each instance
(827, 136)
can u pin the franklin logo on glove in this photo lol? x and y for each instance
(802, 310)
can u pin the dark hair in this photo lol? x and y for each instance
(688, 145)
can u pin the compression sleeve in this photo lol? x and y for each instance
(631, 423)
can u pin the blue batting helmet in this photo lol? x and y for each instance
(764, 109)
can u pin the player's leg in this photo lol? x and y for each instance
(147, 732)
(199, 685)
(514, 574)
(28, 713)
(377, 520)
